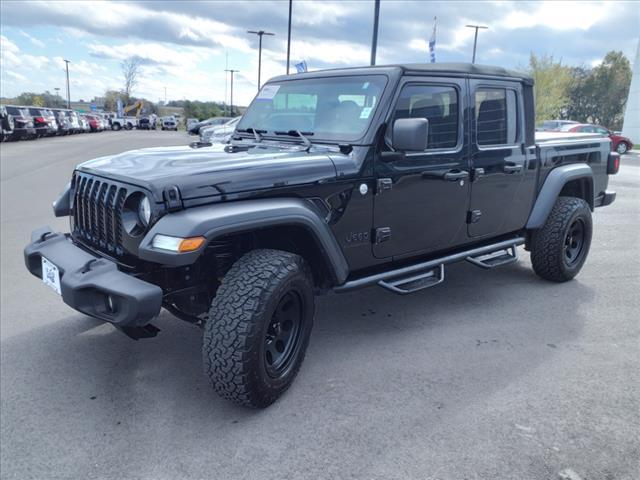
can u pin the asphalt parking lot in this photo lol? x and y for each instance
(492, 375)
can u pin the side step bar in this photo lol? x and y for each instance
(413, 283)
(426, 274)
(495, 259)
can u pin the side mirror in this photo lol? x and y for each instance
(410, 134)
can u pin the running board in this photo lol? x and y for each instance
(495, 259)
(395, 279)
(414, 283)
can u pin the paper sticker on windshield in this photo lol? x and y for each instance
(365, 85)
(366, 111)
(268, 92)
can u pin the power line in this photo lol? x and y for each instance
(475, 40)
(260, 33)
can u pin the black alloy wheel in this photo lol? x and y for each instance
(574, 242)
(283, 334)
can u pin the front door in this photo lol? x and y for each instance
(421, 200)
(498, 155)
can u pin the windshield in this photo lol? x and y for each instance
(330, 108)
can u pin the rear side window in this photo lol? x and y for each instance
(439, 105)
(496, 116)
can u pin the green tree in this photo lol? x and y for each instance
(551, 86)
(608, 88)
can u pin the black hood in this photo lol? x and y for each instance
(209, 171)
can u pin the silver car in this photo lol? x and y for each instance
(219, 133)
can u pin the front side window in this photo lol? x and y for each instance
(330, 108)
(439, 105)
(496, 116)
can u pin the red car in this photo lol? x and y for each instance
(618, 143)
(94, 123)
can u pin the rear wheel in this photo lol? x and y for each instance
(258, 327)
(116, 126)
(560, 248)
(622, 148)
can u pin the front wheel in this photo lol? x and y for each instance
(258, 328)
(560, 248)
(116, 126)
(622, 148)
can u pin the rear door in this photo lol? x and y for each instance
(421, 200)
(498, 155)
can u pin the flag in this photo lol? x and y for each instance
(432, 42)
(301, 67)
(119, 108)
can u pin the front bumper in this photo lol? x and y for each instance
(93, 285)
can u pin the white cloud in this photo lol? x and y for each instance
(557, 15)
(32, 39)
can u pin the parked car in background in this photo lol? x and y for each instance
(554, 125)
(190, 122)
(44, 121)
(96, 123)
(84, 124)
(118, 123)
(63, 121)
(6, 124)
(213, 121)
(169, 123)
(619, 143)
(146, 123)
(23, 123)
(74, 120)
(219, 133)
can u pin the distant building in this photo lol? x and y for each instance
(631, 125)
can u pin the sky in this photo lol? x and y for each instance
(186, 45)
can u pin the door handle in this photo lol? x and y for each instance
(512, 168)
(454, 175)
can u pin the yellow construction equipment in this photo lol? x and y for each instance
(136, 108)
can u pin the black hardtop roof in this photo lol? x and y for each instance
(457, 69)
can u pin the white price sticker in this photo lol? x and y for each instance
(268, 92)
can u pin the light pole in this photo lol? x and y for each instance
(475, 40)
(260, 33)
(231, 71)
(67, 62)
(165, 96)
(57, 89)
(374, 40)
(289, 36)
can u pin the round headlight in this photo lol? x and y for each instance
(144, 211)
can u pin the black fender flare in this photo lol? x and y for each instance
(219, 219)
(551, 188)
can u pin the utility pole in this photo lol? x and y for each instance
(475, 40)
(260, 33)
(68, 89)
(231, 71)
(374, 40)
(165, 96)
(289, 36)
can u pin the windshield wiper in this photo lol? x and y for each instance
(297, 133)
(256, 133)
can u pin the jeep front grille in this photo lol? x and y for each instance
(97, 212)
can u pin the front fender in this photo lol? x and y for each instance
(216, 220)
(553, 184)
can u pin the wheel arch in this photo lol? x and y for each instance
(574, 180)
(290, 224)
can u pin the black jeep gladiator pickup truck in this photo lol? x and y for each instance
(333, 180)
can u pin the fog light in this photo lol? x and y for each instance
(177, 244)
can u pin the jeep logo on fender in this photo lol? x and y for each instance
(357, 237)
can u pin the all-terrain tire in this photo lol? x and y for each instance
(560, 248)
(238, 334)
